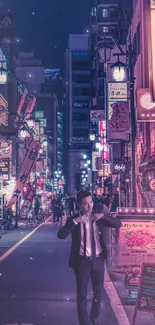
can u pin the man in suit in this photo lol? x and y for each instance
(88, 252)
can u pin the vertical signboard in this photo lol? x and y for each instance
(36, 130)
(22, 101)
(145, 106)
(152, 19)
(146, 291)
(26, 168)
(1, 198)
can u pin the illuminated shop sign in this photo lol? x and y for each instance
(145, 106)
(152, 19)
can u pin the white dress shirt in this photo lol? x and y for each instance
(89, 237)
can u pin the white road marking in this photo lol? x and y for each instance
(115, 301)
(7, 253)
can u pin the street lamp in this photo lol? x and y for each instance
(119, 71)
(104, 51)
(92, 137)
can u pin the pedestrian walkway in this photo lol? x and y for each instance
(38, 287)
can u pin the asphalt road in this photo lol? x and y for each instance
(37, 286)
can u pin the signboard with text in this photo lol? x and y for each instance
(152, 4)
(39, 115)
(26, 168)
(43, 122)
(145, 106)
(3, 111)
(117, 91)
(119, 121)
(136, 243)
(95, 154)
(6, 149)
(1, 198)
(5, 167)
(97, 115)
(146, 291)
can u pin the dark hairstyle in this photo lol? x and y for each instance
(81, 195)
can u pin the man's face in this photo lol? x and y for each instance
(86, 205)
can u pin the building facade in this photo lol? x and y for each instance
(109, 24)
(77, 82)
(30, 72)
(142, 34)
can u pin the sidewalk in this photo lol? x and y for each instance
(143, 318)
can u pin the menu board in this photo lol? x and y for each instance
(136, 243)
(146, 292)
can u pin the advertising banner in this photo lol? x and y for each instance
(22, 101)
(152, 138)
(152, 4)
(1, 198)
(39, 115)
(95, 154)
(104, 152)
(30, 108)
(145, 106)
(6, 149)
(97, 115)
(27, 205)
(152, 67)
(117, 91)
(36, 131)
(3, 111)
(136, 243)
(5, 168)
(119, 121)
(27, 166)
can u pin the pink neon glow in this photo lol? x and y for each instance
(153, 50)
(104, 149)
(22, 101)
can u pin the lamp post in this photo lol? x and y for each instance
(119, 67)
(104, 50)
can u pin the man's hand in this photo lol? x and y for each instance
(98, 216)
(80, 219)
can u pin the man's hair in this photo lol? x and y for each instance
(81, 195)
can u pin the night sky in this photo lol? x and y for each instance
(43, 26)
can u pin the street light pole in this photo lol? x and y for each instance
(132, 125)
(129, 55)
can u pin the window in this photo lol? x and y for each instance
(105, 13)
(80, 133)
(93, 11)
(81, 91)
(105, 29)
(81, 78)
(81, 104)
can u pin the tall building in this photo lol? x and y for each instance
(143, 43)
(77, 79)
(53, 85)
(7, 37)
(30, 72)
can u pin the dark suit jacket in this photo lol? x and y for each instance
(71, 228)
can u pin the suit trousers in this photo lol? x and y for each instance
(84, 271)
